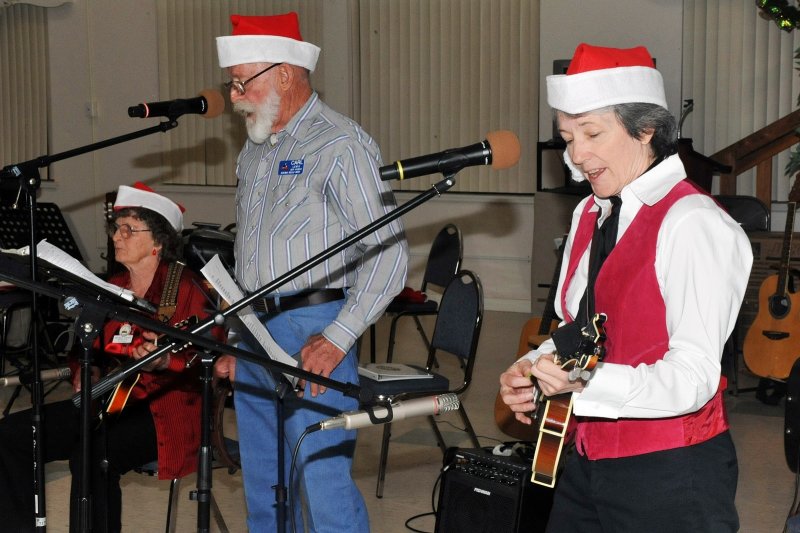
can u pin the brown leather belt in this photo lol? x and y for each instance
(279, 304)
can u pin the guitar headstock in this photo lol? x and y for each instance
(592, 349)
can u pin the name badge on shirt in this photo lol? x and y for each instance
(125, 335)
(293, 166)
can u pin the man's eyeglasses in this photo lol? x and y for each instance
(239, 85)
(125, 230)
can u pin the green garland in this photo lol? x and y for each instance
(785, 16)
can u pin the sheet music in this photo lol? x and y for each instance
(61, 259)
(226, 287)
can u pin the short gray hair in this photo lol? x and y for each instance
(639, 119)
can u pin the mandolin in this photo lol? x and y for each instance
(535, 331)
(771, 344)
(122, 391)
(556, 410)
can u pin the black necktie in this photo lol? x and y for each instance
(603, 241)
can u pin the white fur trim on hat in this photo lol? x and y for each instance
(132, 197)
(595, 89)
(240, 49)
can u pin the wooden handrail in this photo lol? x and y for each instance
(757, 150)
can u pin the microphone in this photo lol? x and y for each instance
(50, 374)
(500, 149)
(430, 405)
(210, 104)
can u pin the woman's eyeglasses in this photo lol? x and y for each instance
(125, 230)
(239, 85)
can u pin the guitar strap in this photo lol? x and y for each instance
(166, 309)
(169, 296)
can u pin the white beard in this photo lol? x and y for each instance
(259, 118)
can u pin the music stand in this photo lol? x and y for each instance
(26, 175)
(15, 228)
(50, 224)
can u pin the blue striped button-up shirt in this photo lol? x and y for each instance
(305, 189)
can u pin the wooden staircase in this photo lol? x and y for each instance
(757, 150)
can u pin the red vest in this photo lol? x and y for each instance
(627, 291)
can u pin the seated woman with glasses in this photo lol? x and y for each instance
(153, 416)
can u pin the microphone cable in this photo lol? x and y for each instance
(289, 492)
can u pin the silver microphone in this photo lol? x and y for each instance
(429, 405)
(50, 374)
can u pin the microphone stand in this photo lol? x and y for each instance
(106, 383)
(27, 174)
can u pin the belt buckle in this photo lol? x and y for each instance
(276, 302)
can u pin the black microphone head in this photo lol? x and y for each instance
(137, 111)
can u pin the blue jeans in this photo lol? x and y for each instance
(325, 458)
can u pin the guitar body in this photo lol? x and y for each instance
(557, 410)
(119, 396)
(772, 343)
(550, 443)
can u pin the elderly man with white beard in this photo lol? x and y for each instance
(308, 178)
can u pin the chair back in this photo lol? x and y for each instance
(444, 258)
(458, 325)
(750, 212)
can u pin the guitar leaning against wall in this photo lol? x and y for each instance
(535, 331)
(772, 343)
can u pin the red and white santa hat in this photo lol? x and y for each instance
(599, 77)
(140, 195)
(266, 39)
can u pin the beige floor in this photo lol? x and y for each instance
(766, 485)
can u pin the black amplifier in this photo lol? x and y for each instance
(486, 493)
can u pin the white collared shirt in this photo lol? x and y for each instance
(703, 261)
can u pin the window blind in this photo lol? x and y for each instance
(439, 74)
(205, 154)
(739, 69)
(23, 84)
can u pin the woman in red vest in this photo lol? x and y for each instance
(668, 270)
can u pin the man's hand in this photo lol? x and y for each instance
(225, 368)
(319, 356)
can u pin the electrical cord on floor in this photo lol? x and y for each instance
(447, 422)
(291, 475)
(433, 504)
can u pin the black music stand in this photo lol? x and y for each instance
(15, 228)
(15, 233)
(27, 179)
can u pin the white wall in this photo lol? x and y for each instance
(104, 59)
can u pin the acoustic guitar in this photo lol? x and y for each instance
(558, 409)
(772, 343)
(535, 331)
